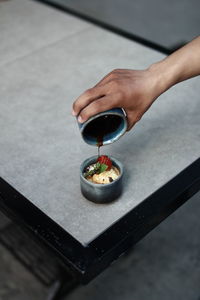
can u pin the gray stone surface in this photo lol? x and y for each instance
(40, 145)
(164, 265)
(27, 26)
(167, 23)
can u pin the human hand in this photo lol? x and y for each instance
(132, 90)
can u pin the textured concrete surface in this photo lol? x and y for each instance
(41, 148)
(167, 23)
(26, 27)
(164, 265)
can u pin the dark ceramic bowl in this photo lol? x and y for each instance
(101, 193)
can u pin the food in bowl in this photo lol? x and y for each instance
(102, 171)
(105, 190)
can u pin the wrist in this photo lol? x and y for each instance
(164, 74)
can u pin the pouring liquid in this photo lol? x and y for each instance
(101, 127)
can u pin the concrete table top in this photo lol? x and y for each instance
(40, 145)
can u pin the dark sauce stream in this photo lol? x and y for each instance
(100, 127)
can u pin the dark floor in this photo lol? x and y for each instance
(164, 265)
(166, 23)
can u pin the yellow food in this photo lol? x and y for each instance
(105, 177)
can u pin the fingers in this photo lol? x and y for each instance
(98, 91)
(130, 122)
(130, 126)
(132, 118)
(86, 98)
(95, 107)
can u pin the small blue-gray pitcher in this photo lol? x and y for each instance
(104, 128)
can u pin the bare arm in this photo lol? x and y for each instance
(180, 65)
(136, 90)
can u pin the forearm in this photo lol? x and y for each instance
(180, 65)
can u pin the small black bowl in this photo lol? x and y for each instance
(101, 193)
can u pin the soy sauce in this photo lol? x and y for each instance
(102, 126)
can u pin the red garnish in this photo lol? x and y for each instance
(104, 159)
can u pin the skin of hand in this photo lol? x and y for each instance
(132, 90)
(136, 90)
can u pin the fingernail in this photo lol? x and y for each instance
(80, 120)
(73, 113)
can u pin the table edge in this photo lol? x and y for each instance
(88, 260)
(112, 28)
